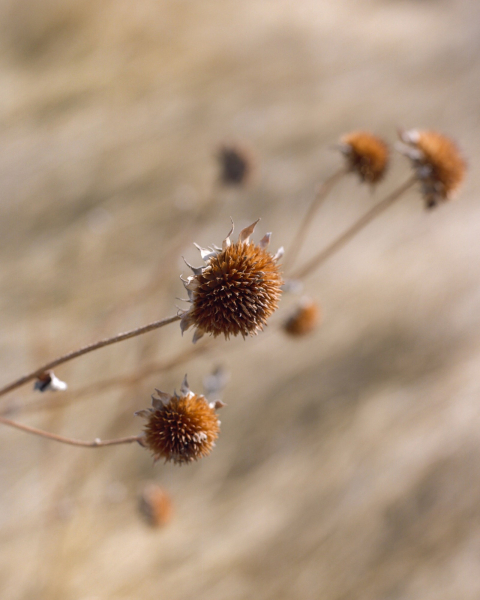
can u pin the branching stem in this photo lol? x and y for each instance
(320, 196)
(120, 337)
(345, 237)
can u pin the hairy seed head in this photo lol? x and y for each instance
(236, 291)
(367, 155)
(180, 428)
(437, 162)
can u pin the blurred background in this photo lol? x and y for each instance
(348, 461)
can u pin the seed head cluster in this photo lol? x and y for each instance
(367, 155)
(236, 291)
(437, 161)
(180, 428)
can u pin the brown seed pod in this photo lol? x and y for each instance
(367, 155)
(437, 162)
(155, 505)
(304, 319)
(236, 164)
(180, 428)
(236, 291)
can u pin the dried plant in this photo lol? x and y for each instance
(437, 162)
(180, 428)
(304, 319)
(366, 154)
(238, 289)
(236, 164)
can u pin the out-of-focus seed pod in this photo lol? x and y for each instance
(305, 318)
(437, 162)
(155, 505)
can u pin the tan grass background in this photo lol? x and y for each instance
(348, 463)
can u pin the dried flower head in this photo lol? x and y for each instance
(49, 382)
(180, 428)
(304, 319)
(155, 505)
(236, 164)
(366, 154)
(236, 291)
(437, 162)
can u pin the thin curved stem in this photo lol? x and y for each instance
(98, 443)
(54, 400)
(120, 337)
(343, 239)
(320, 196)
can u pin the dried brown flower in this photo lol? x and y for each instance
(155, 505)
(236, 164)
(366, 154)
(437, 161)
(304, 320)
(237, 290)
(180, 428)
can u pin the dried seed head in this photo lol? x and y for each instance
(437, 161)
(366, 154)
(236, 164)
(304, 320)
(49, 382)
(180, 428)
(155, 505)
(236, 291)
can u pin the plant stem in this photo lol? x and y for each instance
(98, 443)
(120, 337)
(320, 196)
(343, 239)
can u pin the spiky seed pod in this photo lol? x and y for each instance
(155, 505)
(367, 155)
(304, 319)
(437, 161)
(236, 164)
(236, 291)
(180, 428)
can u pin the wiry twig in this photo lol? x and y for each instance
(154, 368)
(320, 196)
(85, 350)
(343, 239)
(98, 443)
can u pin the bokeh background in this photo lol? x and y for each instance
(349, 461)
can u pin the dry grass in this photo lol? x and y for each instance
(347, 464)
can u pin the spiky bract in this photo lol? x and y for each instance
(237, 290)
(437, 161)
(367, 155)
(180, 428)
